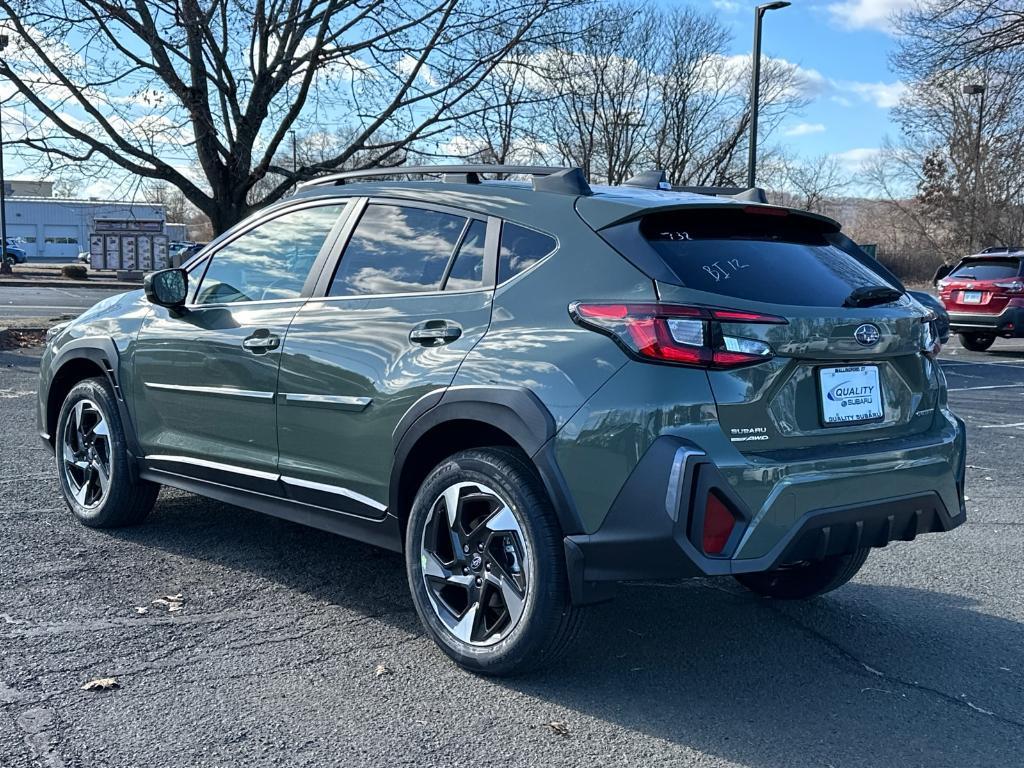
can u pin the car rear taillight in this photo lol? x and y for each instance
(671, 333)
(718, 525)
(1014, 286)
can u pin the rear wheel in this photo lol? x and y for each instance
(92, 460)
(804, 580)
(486, 565)
(977, 342)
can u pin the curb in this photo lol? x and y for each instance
(57, 283)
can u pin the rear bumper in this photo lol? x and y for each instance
(1009, 323)
(654, 528)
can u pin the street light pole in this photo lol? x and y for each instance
(755, 87)
(5, 268)
(976, 90)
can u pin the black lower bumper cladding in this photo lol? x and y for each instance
(653, 528)
(1009, 323)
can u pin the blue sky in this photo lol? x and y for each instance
(844, 46)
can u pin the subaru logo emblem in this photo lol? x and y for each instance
(476, 562)
(867, 335)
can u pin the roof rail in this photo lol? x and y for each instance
(1003, 249)
(545, 177)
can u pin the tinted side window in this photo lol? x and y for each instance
(521, 248)
(782, 260)
(989, 269)
(468, 270)
(397, 249)
(271, 261)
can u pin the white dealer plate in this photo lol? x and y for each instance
(970, 297)
(850, 395)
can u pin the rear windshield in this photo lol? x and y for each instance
(986, 269)
(770, 258)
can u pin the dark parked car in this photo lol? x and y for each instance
(984, 295)
(941, 315)
(532, 389)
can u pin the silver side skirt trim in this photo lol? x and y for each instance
(225, 391)
(216, 465)
(340, 402)
(337, 490)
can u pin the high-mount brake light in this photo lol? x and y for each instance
(672, 333)
(765, 210)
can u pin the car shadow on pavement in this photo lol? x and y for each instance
(871, 675)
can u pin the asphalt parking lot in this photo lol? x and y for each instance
(49, 301)
(294, 647)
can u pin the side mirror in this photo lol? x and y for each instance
(168, 287)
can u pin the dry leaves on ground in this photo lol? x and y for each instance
(101, 684)
(558, 727)
(173, 603)
(382, 671)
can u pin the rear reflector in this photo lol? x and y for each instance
(718, 525)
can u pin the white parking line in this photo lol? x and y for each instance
(1010, 364)
(1001, 426)
(990, 386)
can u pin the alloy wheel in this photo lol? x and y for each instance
(475, 560)
(86, 454)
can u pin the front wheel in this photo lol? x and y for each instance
(486, 564)
(92, 460)
(805, 580)
(977, 342)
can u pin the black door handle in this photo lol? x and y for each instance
(434, 333)
(261, 342)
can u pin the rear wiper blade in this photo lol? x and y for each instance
(871, 295)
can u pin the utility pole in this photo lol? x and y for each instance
(5, 268)
(295, 154)
(755, 87)
(976, 90)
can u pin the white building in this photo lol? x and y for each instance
(55, 229)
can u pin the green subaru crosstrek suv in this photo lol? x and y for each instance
(532, 389)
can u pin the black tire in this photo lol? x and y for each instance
(125, 500)
(800, 582)
(547, 620)
(977, 342)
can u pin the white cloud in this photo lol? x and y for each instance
(805, 129)
(867, 14)
(882, 95)
(726, 6)
(854, 159)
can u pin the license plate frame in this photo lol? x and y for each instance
(841, 393)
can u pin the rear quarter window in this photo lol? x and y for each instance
(986, 269)
(758, 257)
(521, 248)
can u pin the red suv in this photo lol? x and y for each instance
(984, 295)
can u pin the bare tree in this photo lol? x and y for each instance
(641, 86)
(950, 34)
(603, 84)
(955, 173)
(202, 93)
(812, 184)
